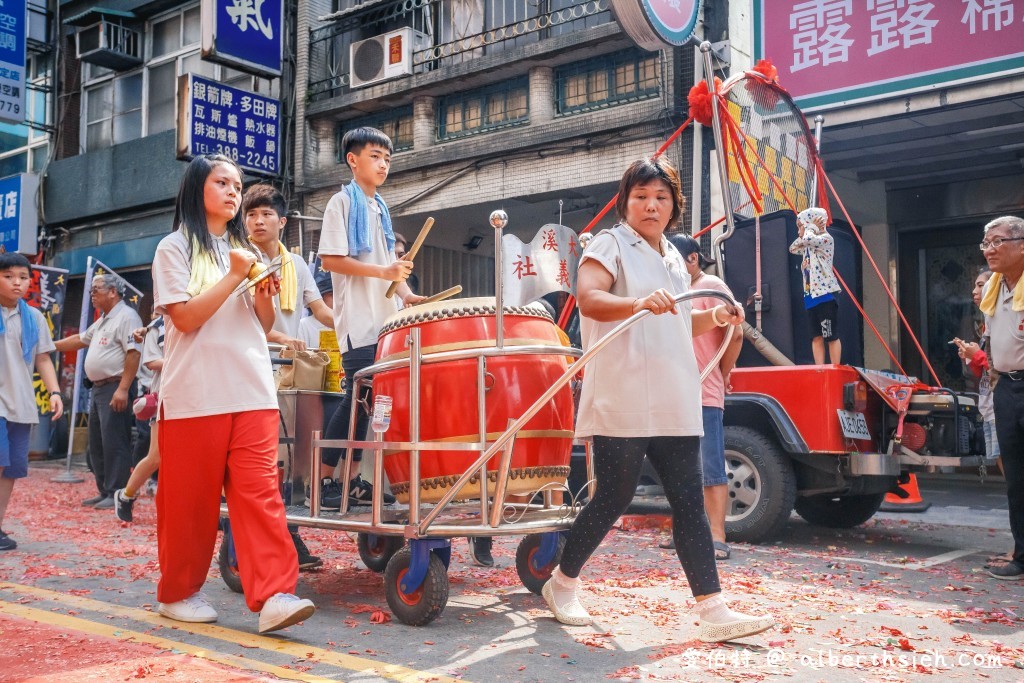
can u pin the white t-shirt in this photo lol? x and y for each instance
(287, 322)
(360, 304)
(222, 367)
(110, 339)
(309, 331)
(644, 382)
(153, 350)
(17, 395)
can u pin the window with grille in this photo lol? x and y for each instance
(479, 111)
(623, 77)
(395, 123)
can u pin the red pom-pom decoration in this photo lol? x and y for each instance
(700, 101)
(768, 70)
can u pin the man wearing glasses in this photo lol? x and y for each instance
(1002, 302)
(110, 366)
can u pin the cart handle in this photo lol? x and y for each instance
(566, 377)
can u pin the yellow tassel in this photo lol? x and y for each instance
(289, 280)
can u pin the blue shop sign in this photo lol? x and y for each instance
(19, 219)
(244, 34)
(219, 119)
(13, 25)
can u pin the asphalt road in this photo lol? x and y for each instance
(904, 597)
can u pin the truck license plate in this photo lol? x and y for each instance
(854, 425)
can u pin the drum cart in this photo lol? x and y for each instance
(411, 543)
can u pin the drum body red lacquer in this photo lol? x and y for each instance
(448, 397)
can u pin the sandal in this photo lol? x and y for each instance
(722, 551)
(996, 560)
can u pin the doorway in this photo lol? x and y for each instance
(937, 269)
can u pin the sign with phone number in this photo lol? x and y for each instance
(217, 119)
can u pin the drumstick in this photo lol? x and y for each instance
(451, 291)
(411, 254)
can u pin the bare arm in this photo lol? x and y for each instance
(44, 366)
(156, 365)
(322, 313)
(119, 402)
(72, 343)
(596, 301)
(732, 352)
(278, 337)
(346, 265)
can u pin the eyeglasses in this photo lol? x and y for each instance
(997, 242)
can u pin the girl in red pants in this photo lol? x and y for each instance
(218, 408)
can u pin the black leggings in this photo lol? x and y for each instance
(617, 463)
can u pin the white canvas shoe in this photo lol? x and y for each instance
(282, 610)
(194, 609)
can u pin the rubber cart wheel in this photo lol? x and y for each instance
(228, 571)
(427, 602)
(376, 551)
(535, 578)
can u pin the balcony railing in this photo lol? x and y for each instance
(458, 30)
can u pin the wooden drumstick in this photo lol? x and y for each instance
(450, 292)
(411, 254)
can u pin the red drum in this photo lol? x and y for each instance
(448, 397)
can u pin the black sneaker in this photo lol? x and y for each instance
(6, 542)
(1011, 571)
(306, 560)
(360, 492)
(330, 494)
(123, 506)
(91, 502)
(480, 549)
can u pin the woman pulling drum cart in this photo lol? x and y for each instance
(478, 392)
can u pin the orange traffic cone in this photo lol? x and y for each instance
(907, 498)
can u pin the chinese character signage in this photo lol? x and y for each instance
(218, 119)
(19, 219)
(13, 23)
(245, 34)
(839, 51)
(657, 24)
(547, 264)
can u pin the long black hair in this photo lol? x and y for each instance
(190, 207)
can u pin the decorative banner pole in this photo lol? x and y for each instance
(498, 221)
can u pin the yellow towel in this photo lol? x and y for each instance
(204, 272)
(289, 280)
(991, 298)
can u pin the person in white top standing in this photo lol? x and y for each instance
(357, 245)
(264, 210)
(25, 344)
(111, 366)
(641, 395)
(218, 409)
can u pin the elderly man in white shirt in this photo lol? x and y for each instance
(111, 366)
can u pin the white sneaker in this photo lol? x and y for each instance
(193, 609)
(572, 613)
(283, 610)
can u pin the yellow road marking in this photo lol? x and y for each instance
(303, 651)
(67, 623)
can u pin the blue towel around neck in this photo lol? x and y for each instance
(29, 329)
(360, 241)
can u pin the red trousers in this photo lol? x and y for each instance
(198, 457)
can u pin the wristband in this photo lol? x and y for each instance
(714, 317)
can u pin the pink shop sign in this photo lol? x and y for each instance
(838, 51)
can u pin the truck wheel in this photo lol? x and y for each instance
(762, 486)
(839, 512)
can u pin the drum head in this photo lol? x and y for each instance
(457, 308)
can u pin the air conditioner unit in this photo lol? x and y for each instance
(384, 57)
(109, 44)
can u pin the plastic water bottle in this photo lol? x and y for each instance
(381, 414)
